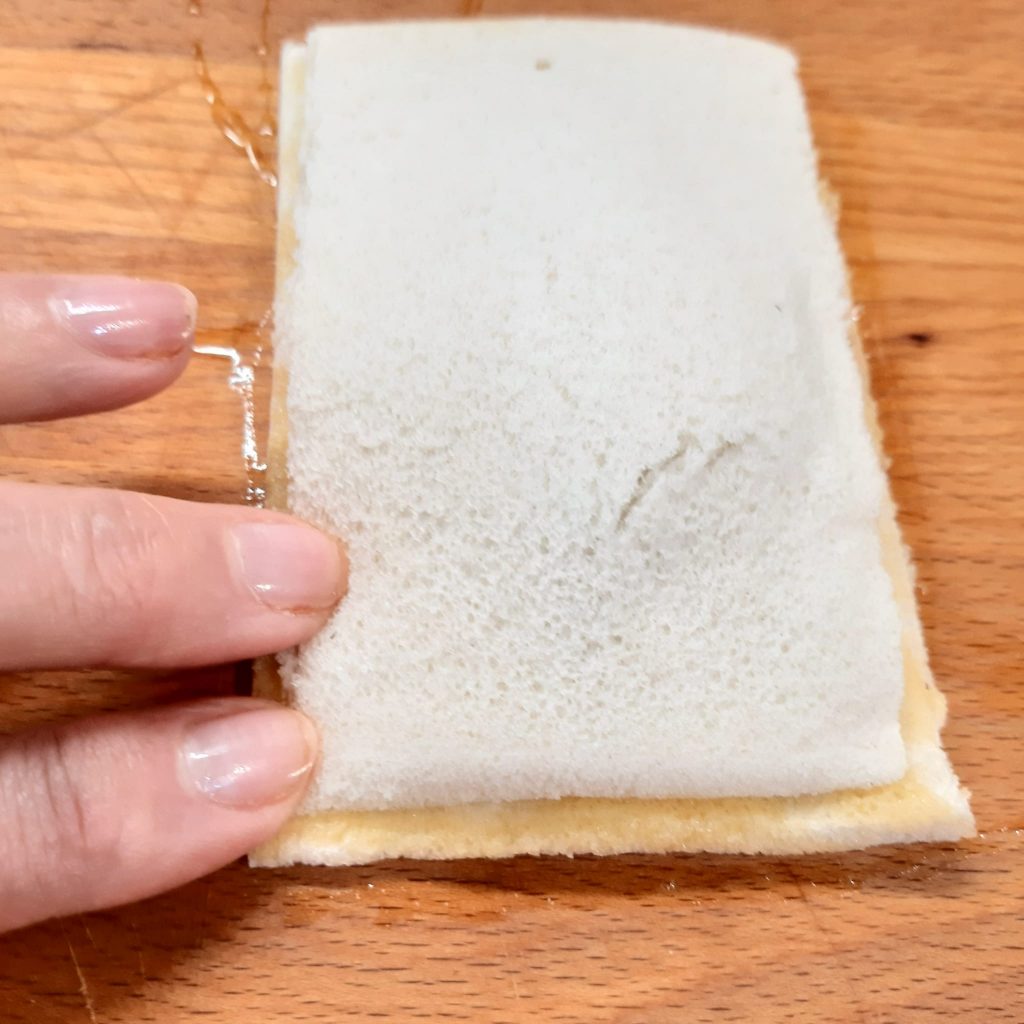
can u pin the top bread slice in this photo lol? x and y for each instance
(563, 353)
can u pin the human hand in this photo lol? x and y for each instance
(122, 806)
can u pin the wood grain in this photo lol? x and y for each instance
(109, 160)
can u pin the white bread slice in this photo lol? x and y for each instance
(403, 779)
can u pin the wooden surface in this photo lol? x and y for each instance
(109, 160)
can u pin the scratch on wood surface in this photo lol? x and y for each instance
(134, 925)
(93, 120)
(204, 919)
(836, 954)
(83, 985)
(130, 178)
(10, 160)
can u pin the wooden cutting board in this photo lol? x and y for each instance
(110, 160)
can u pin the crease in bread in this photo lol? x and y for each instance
(925, 804)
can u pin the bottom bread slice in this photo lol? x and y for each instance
(927, 804)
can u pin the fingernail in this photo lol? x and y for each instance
(251, 758)
(124, 318)
(289, 566)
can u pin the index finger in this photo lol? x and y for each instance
(77, 344)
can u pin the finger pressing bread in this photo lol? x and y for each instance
(117, 808)
(95, 577)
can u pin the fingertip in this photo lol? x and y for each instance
(116, 385)
(126, 318)
(178, 583)
(250, 756)
(288, 565)
(191, 304)
(124, 806)
(75, 344)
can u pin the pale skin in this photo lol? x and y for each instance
(113, 809)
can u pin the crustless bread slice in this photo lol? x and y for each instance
(564, 352)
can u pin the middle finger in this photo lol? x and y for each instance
(94, 577)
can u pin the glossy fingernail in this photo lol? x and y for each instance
(289, 566)
(124, 318)
(249, 759)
